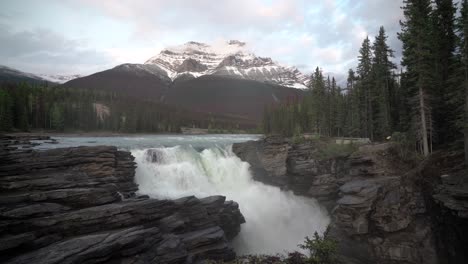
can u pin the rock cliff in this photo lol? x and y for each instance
(445, 185)
(383, 209)
(78, 205)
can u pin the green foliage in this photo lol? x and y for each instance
(446, 76)
(328, 150)
(418, 58)
(367, 107)
(6, 112)
(24, 107)
(384, 86)
(298, 139)
(320, 111)
(403, 142)
(57, 117)
(460, 92)
(427, 100)
(364, 87)
(404, 147)
(322, 250)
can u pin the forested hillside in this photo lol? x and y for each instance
(424, 102)
(24, 107)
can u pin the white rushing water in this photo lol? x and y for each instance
(276, 221)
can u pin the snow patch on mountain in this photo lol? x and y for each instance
(231, 58)
(53, 78)
(58, 78)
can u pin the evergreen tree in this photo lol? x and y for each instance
(57, 117)
(334, 105)
(353, 123)
(383, 85)
(318, 95)
(417, 58)
(364, 71)
(444, 43)
(342, 112)
(327, 109)
(462, 25)
(6, 117)
(427, 100)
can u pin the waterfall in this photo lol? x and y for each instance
(276, 221)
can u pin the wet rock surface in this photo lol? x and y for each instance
(376, 201)
(78, 205)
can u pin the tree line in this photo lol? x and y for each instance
(26, 107)
(425, 101)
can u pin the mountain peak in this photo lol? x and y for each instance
(230, 58)
(195, 43)
(236, 42)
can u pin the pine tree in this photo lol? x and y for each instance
(318, 97)
(462, 25)
(444, 43)
(334, 105)
(342, 112)
(416, 38)
(327, 114)
(382, 69)
(57, 117)
(6, 115)
(352, 102)
(364, 71)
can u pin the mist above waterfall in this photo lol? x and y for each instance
(277, 221)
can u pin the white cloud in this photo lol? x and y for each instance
(305, 33)
(44, 51)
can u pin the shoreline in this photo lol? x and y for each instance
(105, 134)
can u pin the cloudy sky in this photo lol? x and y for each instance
(85, 36)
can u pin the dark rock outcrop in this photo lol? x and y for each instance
(191, 65)
(267, 159)
(445, 184)
(78, 205)
(376, 203)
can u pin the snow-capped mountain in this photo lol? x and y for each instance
(225, 80)
(10, 74)
(233, 58)
(58, 78)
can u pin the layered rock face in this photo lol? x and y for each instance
(445, 184)
(377, 206)
(78, 205)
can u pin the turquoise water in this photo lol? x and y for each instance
(174, 166)
(151, 141)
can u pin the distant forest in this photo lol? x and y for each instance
(26, 107)
(424, 104)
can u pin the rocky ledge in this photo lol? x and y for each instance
(78, 205)
(382, 208)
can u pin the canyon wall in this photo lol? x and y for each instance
(382, 208)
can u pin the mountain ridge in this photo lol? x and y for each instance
(233, 58)
(9, 74)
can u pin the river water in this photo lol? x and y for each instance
(174, 166)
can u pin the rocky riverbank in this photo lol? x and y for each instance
(383, 209)
(78, 205)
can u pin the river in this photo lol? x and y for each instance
(174, 166)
